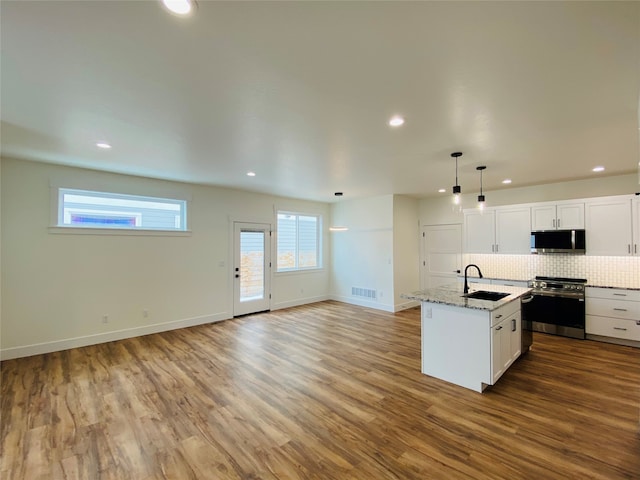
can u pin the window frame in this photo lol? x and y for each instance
(57, 213)
(319, 264)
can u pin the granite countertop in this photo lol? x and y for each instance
(452, 294)
(608, 286)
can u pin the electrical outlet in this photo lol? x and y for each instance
(105, 319)
(428, 313)
(145, 313)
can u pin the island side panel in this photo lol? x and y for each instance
(456, 345)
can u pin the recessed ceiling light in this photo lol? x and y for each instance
(598, 169)
(180, 7)
(506, 181)
(338, 229)
(103, 145)
(251, 174)
(442, 190)
(396, 121)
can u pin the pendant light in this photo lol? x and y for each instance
(456, 188)
(481, 199)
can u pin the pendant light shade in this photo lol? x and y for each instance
(481, 199)
(456, 188)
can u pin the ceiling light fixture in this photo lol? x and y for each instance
(103, 145)
(456, 188)
(251, 174)
(506, 181)
(180, 7)
(598, 169)
(481, 199)
(396, 121)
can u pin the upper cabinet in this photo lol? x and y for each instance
(498, 230)
(479, 231)
(611, 224)
(609, 228)
(560, 216)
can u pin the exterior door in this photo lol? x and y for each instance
(252, 268)
(441, 255)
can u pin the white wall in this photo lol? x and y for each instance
(363, 255)
(406, 249)
(57, 287)
(380, 251)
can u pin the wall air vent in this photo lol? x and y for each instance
(363, 292)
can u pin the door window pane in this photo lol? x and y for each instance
(251, 266)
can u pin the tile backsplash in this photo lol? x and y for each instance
(601, 271)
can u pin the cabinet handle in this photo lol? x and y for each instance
(629, 247)
(554, 223)
(493, 247)
(513, 325)
(499, 328)
(620, 328)
(558, 223)
(620, 309)
(635, 248)
(620, 294)
(496, 248)
(498, 316)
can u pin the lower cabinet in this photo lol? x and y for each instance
(469, 347)
(506, 344)
(613, 314)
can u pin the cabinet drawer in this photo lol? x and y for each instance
(613, 293)
(613, 308)
(504, 312)
(613, 327)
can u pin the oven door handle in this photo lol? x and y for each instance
(570, 296)
(527, 299)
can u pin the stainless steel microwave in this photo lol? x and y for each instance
(558, 241)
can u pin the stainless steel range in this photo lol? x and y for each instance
(557, 306)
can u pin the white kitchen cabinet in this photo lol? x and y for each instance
(506, 344)
(613, 314)
(479, 231)
(498, 230)
(463, 345)
(513, 232)
(608, 227)
(635, 210)
(561, 216)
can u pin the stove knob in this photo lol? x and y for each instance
(543, 284)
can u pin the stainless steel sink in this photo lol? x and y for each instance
(486, 295)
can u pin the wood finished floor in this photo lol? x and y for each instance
(325, 391)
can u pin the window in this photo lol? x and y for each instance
(298, 237)
(87, 209)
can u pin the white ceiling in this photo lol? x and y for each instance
(301, 92)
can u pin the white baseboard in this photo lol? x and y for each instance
(363, 303)
(406, 305)
(58, 345)
(299, 301)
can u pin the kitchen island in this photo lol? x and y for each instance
(467, 341)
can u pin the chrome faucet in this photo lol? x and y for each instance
(466, 285)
